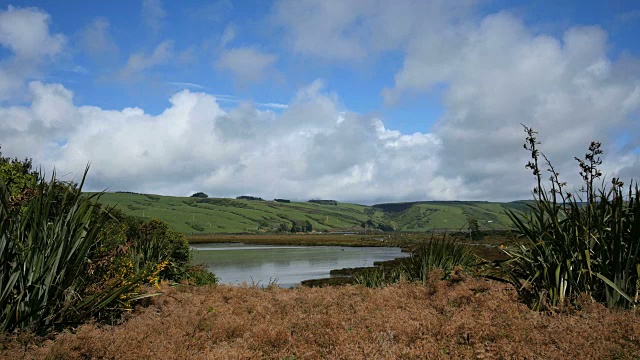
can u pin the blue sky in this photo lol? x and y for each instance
(423, 68)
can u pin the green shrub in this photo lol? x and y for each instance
(442, 254)
(64, 259)
(44, 248)
(572, 245)
(199, 275)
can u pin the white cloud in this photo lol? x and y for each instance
(25, 33)
(195, 145)
(246, 64)
(353, 30)
(153, 14)
(499, 74)
(139, 61)
(494, 72)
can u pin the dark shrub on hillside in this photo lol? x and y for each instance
(225, 202)
(200, 195)
(324, 202)
(282, 200)
(196, 227)
(246, 197)
(301, 226)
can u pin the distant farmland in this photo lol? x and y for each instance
(219, 215)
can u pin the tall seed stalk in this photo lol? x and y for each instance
(573, 247)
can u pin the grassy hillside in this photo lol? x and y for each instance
(430, 215)
(214, 215)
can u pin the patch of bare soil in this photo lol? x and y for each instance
(472, 318)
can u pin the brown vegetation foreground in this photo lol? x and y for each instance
(469, 319)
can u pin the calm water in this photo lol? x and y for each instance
(238, 263)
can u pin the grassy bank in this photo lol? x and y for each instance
(299, 239)
(470, 318)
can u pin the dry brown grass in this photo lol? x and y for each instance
(469, 319)
(293, 239)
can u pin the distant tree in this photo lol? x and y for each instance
(200, 195)
(284, 227)
(474, 228)
(308, 227)
(369, 224)
(282, 200)
(247, 197)
(17, 175)
(390, 226)
(324, 202)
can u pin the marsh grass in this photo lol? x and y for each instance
(572, 245)
(443, 254)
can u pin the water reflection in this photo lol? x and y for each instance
(237, 263)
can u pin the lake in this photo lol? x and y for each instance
(235, 263)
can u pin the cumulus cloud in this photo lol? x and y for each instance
(246, 64)
(25, 33)
(494, 72)
(499, 74)
(194, 145)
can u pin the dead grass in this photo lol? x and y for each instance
(469, 319)
(293, 239)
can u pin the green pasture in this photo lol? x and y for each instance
(207, 216)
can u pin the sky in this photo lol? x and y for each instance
(363, 101)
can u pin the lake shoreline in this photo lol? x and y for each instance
(289, 265)
(350, 239)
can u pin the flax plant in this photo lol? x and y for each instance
(44, 247)
(570, 246)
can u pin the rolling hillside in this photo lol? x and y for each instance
(215, 215)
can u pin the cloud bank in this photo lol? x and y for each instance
(493, 72)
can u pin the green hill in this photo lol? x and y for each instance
(218, 215)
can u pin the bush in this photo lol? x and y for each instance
(324, 202)
(199, 276)
(44, 249)
(200, 195)
(252, 198)
(572, 245)
(64, 259)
